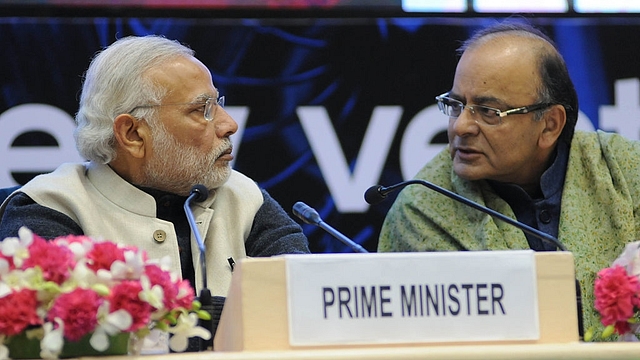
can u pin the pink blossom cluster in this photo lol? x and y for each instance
(617, 297)
(78, 285)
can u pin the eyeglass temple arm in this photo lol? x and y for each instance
(523, 110)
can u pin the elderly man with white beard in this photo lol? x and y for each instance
(152, 125)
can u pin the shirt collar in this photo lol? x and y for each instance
(551, 181)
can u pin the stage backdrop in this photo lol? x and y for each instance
(326, 107)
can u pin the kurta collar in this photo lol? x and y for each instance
(125, 194)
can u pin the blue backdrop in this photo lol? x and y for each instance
(365, 84)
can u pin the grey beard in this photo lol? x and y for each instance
(176, 167)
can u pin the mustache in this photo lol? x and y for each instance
(225, 147)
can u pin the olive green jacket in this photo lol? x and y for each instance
(600, 211)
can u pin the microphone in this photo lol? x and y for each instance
(200, 193)
(378, 193)
(310, 216)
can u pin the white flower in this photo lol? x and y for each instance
(104, 276)
(53, 340)
(164, 262)
(4, 267)
(80, 250)
(4, 289)
(131, 268)
(630, 258)
(184, 329)
(109, 325)
(82, 276)
(28, 278)
(18, 248)
(152, 295)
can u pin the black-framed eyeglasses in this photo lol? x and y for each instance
(209, 111)
(488, 115)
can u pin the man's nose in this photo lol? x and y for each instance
(465, 123)
(225, 125)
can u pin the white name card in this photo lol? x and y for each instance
(422, 297)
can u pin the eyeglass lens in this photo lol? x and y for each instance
(454, 108)
(211, 106)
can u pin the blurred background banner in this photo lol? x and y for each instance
(331, 97)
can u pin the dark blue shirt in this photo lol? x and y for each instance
(169, 207)
(542, 213)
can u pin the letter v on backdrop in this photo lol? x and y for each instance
(347, 186)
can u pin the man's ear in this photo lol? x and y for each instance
(555, 119)
(132, 135)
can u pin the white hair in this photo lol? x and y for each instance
(115, 84)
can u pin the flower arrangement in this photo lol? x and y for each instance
(74, 286)
(617, 295)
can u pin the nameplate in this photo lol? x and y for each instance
(422, 297)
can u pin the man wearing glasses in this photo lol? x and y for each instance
(512, 112)
(152, 125)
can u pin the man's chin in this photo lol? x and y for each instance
(467, 173)
(218, 181)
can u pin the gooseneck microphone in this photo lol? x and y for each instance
(200, 193)
(377, 193)
(310, 216)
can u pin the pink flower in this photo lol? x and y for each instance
(125, 296)
(55, 261)
(77, 309)
(616, 296)
(622, 327)
(71, 239)
(70, 311)
(103, 255)
(186, 294)
(17, 311)
(157, 276)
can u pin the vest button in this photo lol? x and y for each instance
(545, 217)
(159, 236)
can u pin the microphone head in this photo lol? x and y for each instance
(201, 193)
(373, 195)
(306, 213)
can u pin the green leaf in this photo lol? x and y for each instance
(101, 289)
(588, 335)
(204, 315)
(608, 331)
(162, 326)
(141, 333)
(171, 318)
